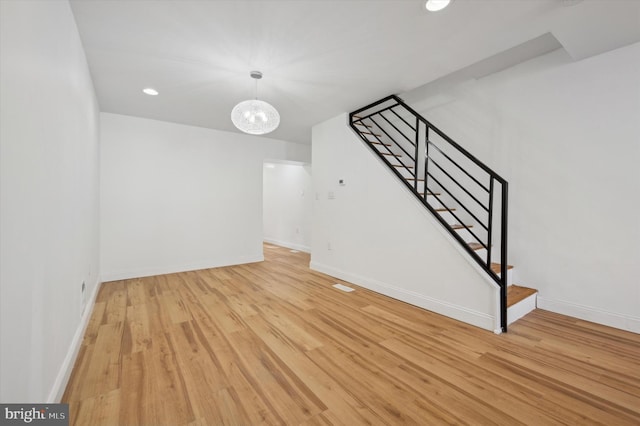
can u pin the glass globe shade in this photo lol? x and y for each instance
(255, 117)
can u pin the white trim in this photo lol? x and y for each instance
(62, 378)
(497, 326)
(288, 162)
(293, 246)
(588, 313)
(460, 313)
(148, 272)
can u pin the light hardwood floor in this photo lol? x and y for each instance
(274, 343)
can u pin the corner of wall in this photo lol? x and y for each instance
(64, 373)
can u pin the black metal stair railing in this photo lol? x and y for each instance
(465, 196)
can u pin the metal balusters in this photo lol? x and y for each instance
(374, 116)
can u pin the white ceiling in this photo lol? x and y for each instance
(319, 57)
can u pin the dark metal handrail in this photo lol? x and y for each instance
(383, 131)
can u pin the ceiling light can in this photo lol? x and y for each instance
(436, 5)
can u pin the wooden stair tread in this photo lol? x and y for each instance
(360, 123)
(495, 267)
(419, 180)
(379, 143)
(431, 194)
(445, 210)
(370, 133)
(394, 155)
(516, 294)
(457, 226)
(475, 246)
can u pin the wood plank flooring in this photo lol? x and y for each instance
(275, 343)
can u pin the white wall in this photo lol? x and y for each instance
(566, 135)
(374, 233)
(49, 197)
(287, 205)
(176, 197)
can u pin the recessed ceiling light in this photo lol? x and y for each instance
(436, 5)
(150, 91)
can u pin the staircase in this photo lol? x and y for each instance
(464, 195)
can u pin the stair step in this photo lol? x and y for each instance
(370, 133)
(419, 180)
(393, 155)
(379, 143)
(406, 172)
(446, 215)
(431, 194)
(516, 293)
(520, 301)
(362, 124)
(457, 226)
(435, 202)
(495, 267)
(475, 246)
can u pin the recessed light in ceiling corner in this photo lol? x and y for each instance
(150, 91)
(436, 5)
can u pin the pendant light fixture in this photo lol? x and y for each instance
(254, 116)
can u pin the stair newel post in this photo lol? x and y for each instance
(415, 158)
(490, 222)
(503, 254)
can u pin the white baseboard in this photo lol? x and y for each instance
(588, 313)
(292, 246)
(162, 270)
(460, 313)
(62, 378)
